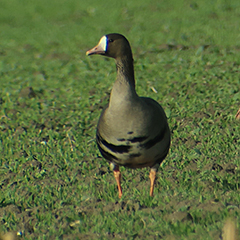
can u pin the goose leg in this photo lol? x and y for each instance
(117, 176)
(152, 177)
(237, 116)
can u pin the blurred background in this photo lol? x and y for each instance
(77, 24)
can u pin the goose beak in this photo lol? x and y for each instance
(96, 50)
(100, 48)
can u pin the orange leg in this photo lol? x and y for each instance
(152, 177)
(237, 116)
(117, 176)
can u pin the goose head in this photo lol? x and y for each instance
(112, 45)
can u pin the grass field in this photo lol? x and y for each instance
(53, 182)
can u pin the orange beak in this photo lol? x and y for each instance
(96, 50)
(100, 48)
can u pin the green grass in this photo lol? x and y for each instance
(53, 182)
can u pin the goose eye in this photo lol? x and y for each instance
(110, 40)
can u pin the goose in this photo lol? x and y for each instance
(132, 131)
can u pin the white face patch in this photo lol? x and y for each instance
(103, 43)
